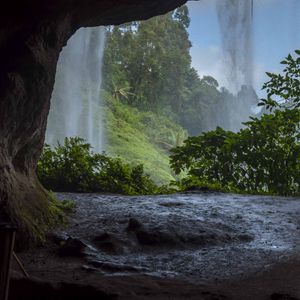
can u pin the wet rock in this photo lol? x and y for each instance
(150, 237)
(212, 296)
(171, 204)
(187, 241)
(111, 267)
(245, 237)
(200, 240)
(134, 224)
(279, 296)
(72, 247)
(58, 238)
(172, 236)
(206, 238)
(156, 238)
(109, 243)
(35, 289)
(89, 269)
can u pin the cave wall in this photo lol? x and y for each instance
(32, 34)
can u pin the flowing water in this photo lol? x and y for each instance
(76, 100)
(235, 20)
(208, 236)
(238, 99)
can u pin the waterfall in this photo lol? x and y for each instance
(76, 100)
(235, 20)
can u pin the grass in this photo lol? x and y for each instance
(141, 137)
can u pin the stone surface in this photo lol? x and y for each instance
(35, 289)
(72, 247)
(109, 243)
(32, 34)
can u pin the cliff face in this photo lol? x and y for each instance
(32, 34)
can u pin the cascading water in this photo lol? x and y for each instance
(76, 100)
(235, 19)
(235, 22)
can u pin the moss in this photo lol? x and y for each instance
(36, 214)
(59, 211)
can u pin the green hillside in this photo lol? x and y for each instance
(141, 137)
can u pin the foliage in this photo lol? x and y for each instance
(36, 217)
(73, 167)
(193, 183)
(59, 210)
(283, 90)
(263, 157)
(141, 137)
(145, 62)
(147, 65)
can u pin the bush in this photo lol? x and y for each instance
(73, 167)
(263, 157)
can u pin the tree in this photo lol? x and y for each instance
(262, 157)
(283, 90)
(152, 58)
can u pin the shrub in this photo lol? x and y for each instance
(74, 167)
(263, 157)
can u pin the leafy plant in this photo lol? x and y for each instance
(73, 167)
(147, 65)
(263, 157)
(283, 90)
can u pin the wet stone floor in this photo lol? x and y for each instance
(203, 236)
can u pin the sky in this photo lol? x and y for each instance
(276, 32)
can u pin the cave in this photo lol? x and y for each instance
(32, 35)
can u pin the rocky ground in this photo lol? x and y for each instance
(184, 246)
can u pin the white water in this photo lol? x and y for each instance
(235, 20)
(76, 100)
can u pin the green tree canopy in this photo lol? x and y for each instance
(262, 157)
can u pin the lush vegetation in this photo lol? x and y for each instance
(74, 167)
(154, 100)
(283, 90)
(140, 137)
(153, 96)
(147, 65)
(262, 157)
